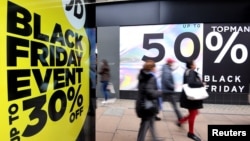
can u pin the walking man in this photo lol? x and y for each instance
(167, 83)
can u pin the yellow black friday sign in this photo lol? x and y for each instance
(44, 70)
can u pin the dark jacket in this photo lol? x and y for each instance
(193, 80)
(147, 88)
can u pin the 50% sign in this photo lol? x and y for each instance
(77, 99)
(229, 44)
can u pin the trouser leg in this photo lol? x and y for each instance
(143, 129)
(174, 105)
(160, 101)
(152, 129)
(104, 89)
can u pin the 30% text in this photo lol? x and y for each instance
(77, 100)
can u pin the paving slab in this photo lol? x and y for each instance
(117, 121)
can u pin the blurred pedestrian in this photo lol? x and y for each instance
(167, 85)
(193, 80)
(147, 89)
(105, 78)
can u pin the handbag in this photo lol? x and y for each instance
(149, 107)
(195, 93)
(148, 104)
(110, 87)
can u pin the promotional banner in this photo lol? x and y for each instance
(159, 42)
(220, 52)
(226, 62)
(44, 70)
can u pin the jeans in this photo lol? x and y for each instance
(160, 101)
(145, 125)
(104, 89)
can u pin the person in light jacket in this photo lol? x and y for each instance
(193, 80)
(167, 84)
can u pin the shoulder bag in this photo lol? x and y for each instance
(149, 107)
(195, 93)
(199, 93)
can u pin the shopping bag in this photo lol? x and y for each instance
(111, 88)
(195, 93)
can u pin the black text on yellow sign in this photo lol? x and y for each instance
(60, 53)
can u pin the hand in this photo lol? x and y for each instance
(204, 83)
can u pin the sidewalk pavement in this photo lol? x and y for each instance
(117, 121)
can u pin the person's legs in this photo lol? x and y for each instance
(144, 125)
(191, 119)
(174, 105)
(152, 128)
(184, 119)
(104, 89)
(160, 101)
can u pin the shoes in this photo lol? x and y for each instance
(193, 136)
(178, 124)
(157, 118)
(111, 100)
(104, 102)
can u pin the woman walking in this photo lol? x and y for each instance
(193, 80)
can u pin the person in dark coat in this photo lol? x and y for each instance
(147, 88)
(193, 80)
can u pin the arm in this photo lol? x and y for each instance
(151, 89)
